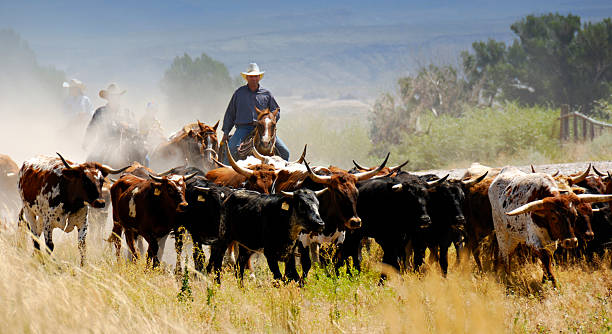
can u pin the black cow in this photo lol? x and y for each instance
(444, 205)
(202, 217)
(392, 210)
(270, 222)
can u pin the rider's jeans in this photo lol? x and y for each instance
(243, 131)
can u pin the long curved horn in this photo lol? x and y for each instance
(317, 178)
(202, 188)
(242, 171)
(220, 164)
(398, 167)
(187, 177)
(581, 177)
(609, 176)
(474, 181)
(169, 171)
(321, 192)
(436, 182)
(256, 153)
(529, 207)
(156, 178)
(106, 169)
(367, 175)
(360, 167)
(598, 172)
(302, 157)
(287, 193)
(532, 169)
(555, 173)
(591, 198)
(64, 161)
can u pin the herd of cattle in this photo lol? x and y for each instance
(288, 209)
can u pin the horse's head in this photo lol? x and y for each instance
(209, 147)
(265, 130)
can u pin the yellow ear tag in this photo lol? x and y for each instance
(157, 192)
(285, 206)
(201, 198)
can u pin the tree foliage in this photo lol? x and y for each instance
(554, 60)
(200, 86)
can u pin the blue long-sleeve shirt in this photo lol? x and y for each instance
(241, 108)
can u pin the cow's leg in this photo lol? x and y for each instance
(48, 231)
(243, 263)
(419, 254)
(130, 237)
(273, 265)
(305, 259)
(443, 258)
(115, 238)
(178, 247)
(390, 258)
(82, 244)
(546, 259)
(152, 251)
(217, 251)
(291, 265)
(198, 255)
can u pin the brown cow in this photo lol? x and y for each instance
(259, 177)
(147, 207)
(54, 192)
(195, 144)
(338, 208)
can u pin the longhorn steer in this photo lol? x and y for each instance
(393, 210)
(146, 207)
(269, 222)
(54, 193)
(529, 209)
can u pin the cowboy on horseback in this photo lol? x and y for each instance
(246, 105)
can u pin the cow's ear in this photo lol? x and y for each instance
(71, 173)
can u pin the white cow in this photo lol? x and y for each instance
(529, 209)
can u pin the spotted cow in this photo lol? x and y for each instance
(529, 209)
(55, 193)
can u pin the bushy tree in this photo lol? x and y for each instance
(196, 87)
(436, 90)
(554, 60)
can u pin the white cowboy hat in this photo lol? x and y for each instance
(74, 83)
(111, 90)
(253, 69)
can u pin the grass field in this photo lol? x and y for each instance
(52, 294)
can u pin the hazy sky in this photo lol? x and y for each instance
(351, 46)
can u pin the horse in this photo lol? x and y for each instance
(195, 144)
(262, 138)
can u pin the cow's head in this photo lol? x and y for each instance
(84, 182)
(260, 178)
(304, 207)
(449, 194)
(413, 195)
(170, 189)
(343, 192)
(559, 214)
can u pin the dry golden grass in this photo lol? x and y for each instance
(48, 294)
